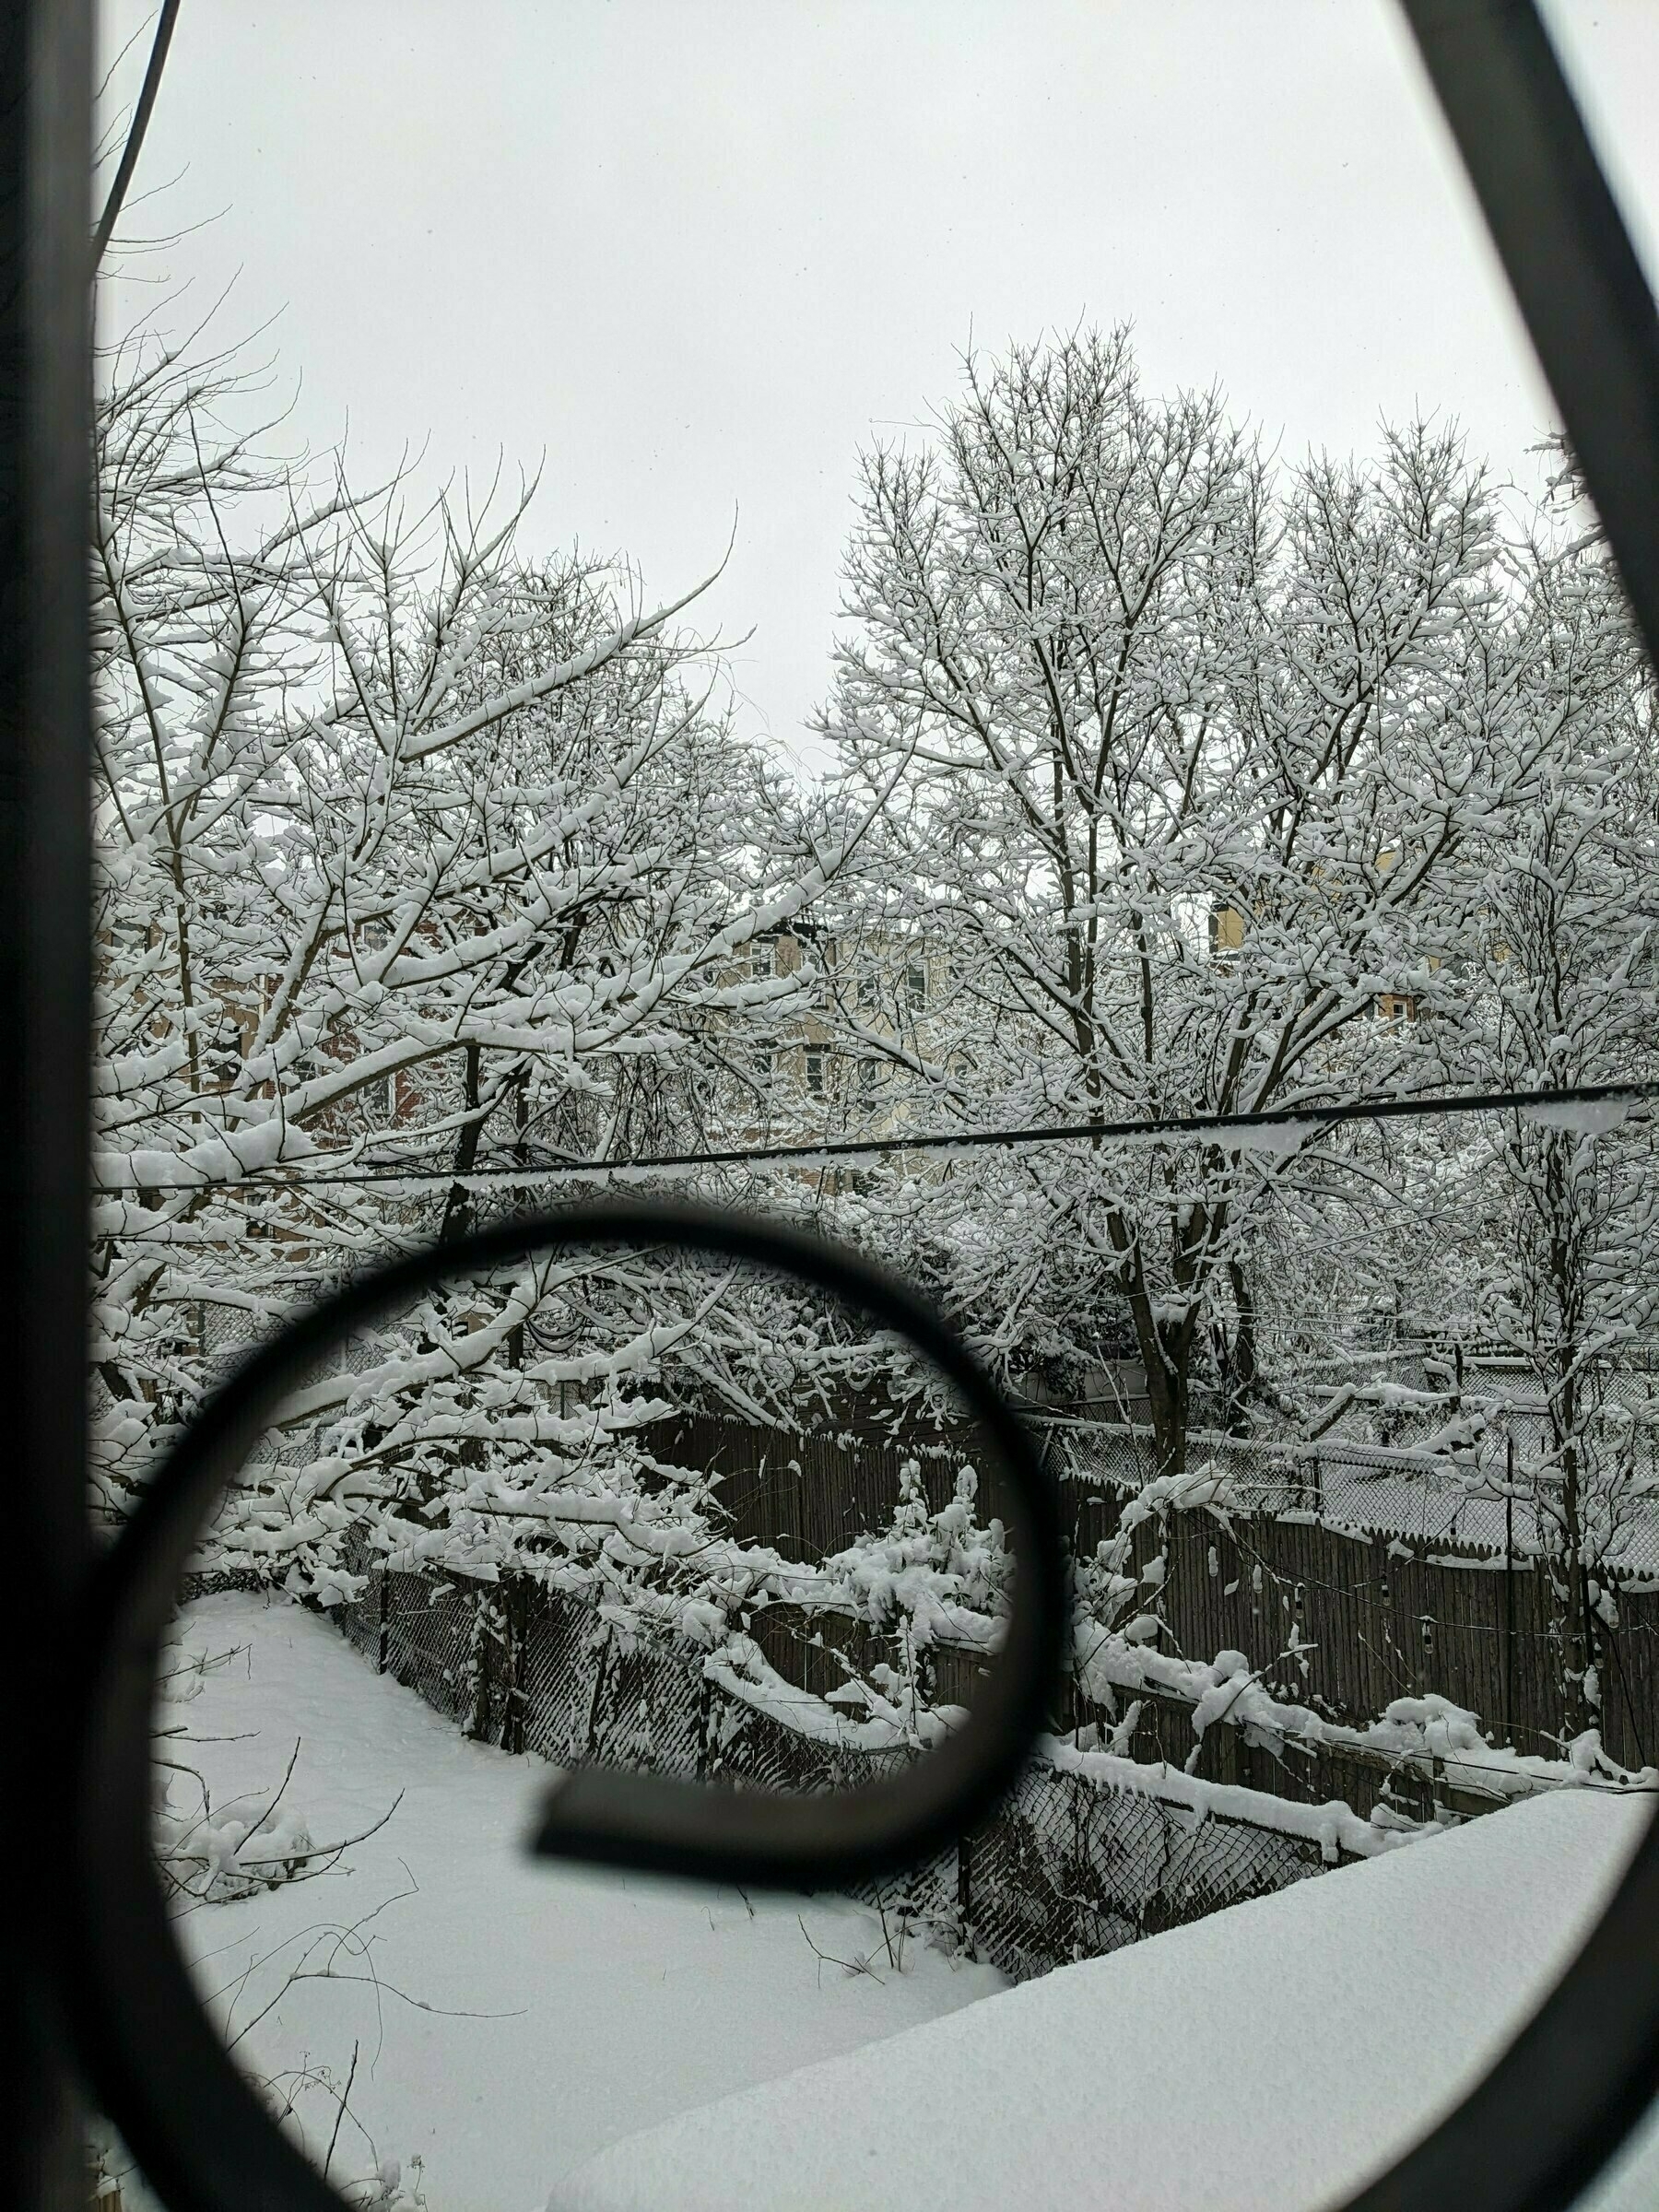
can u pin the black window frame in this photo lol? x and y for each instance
(1584, 2070)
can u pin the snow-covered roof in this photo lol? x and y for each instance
(1272, 2057)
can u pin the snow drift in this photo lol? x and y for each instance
(1264, 2060)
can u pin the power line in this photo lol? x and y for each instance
(1580, 1103)
(139, 125)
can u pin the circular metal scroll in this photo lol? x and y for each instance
(1528, 2139)
(198, 2130)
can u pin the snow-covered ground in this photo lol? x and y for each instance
(630, 2043)
(608, 2002)
(1267, 2059)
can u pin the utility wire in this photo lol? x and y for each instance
(140, 123)
(1291, 1120)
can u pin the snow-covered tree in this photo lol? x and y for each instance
(1568, 991)
(1177, 762)
(410, 849)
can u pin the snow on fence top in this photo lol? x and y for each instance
(1408, 1491)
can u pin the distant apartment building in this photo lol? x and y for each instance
(819, 1078)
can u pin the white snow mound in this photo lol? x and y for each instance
(1269, 2058)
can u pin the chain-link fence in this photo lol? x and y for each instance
(1070, 1866)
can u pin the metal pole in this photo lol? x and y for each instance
(1509, 1591)
(45, 411)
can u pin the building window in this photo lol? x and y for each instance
(815, 1069)
(915, 983)
(1226, 930)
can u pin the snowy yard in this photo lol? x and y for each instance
(513, 2025)
(611, 2002)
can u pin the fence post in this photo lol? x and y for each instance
(1509, 1590)
(488, 1636)
(385, 1584)
(510, 1661)
(595, 1704)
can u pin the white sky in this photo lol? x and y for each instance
(698, 251)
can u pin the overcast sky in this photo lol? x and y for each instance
(697, 253)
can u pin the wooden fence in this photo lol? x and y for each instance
(1335, 1618)
(813, 1493)
(1346, 1622)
